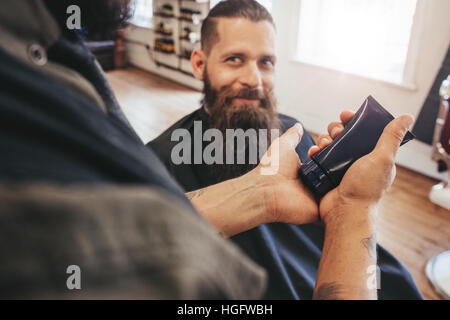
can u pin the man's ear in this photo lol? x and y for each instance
(198, 62)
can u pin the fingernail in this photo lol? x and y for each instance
(408, 121)
(299, 128)
(313, 149)
(323, 141)
(334, 132)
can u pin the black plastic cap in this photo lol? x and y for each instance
(315, 179)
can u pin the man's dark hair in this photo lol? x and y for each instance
(248, 9)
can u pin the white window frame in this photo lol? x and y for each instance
(409, 73)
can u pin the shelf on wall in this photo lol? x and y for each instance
(165, 52)
(161, 15)
(190, 20)
(176, 60)
(159, 33)
(188, 40)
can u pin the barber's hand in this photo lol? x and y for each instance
(367, 179)
(269, 193)
(288, 200)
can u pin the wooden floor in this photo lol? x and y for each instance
(410, 226)
(151, 103)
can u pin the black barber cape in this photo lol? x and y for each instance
(290, 253)
(51, 135)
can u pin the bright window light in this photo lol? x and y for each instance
(365, 37)
(143, 12)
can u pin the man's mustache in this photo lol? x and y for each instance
(251, 94)
(248, 94)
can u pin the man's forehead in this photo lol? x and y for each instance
(235, 33)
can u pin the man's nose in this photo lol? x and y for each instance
(251, 76)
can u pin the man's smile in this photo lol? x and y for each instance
(252, 102)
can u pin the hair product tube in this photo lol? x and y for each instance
(326, 169)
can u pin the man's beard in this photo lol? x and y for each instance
(224, 113)
(100, 19)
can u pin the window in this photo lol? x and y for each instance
(143, 12)
(364, 37)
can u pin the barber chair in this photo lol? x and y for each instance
(440, 194)
(438, 268)
(103, 52)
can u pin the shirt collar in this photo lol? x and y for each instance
(205, 107)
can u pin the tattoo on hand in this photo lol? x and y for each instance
(371, 245)
(328, 291)
(195, 194)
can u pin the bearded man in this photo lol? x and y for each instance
(237, 65)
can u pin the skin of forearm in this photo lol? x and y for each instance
(234, 206)
(348, 253)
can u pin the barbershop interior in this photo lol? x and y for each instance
(331, 55)
(323, 63)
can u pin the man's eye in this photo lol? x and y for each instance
(267, 62)
(234, 60)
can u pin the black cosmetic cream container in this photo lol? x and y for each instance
(326, 169)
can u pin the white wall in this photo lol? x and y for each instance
(316, 95)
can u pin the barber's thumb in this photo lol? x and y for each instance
(292, 137)
(393, 135)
